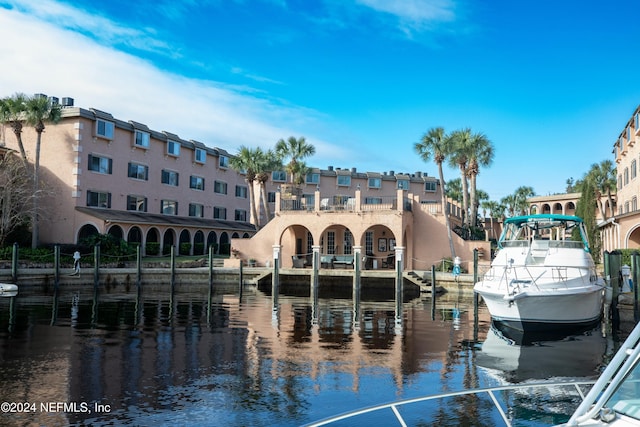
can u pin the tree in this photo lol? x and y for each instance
(480, 154)
(454, 190)
(494, 212)
(15, 195)
(12, 111)
(267, 162)
(520, 203)
(585, 210)
(603, 177)
(461, 151)
(294, 149)
(247, 161)
(38, 111)
(435, 143)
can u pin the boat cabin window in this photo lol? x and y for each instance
(625, 399)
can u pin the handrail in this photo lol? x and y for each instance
(489, 390)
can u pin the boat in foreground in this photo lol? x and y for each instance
(543, 275)
(613, 400)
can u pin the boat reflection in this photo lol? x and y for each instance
(518, 356)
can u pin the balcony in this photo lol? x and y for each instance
(342, 203)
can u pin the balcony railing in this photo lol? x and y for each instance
(344, 203)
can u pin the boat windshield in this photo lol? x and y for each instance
(626, 399)
(544, 227)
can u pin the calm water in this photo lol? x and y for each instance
(82, 358)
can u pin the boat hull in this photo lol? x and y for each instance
(538, 310)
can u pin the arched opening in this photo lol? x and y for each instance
(634, 239)
(116, 232)
(86, 231)
(169, 240)
(297, 243)
(135, 235)
(379, 247)
(185, 243)
(212, 240)
(225, 244)
(152, 247)
(198, 243)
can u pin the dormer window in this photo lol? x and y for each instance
(104, 129)
(173, 148)
(141, 139)
(223, 162)
(200, 155)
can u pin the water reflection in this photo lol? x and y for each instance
(214, 355)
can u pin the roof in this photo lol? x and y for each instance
(134, 217)
(532, 218)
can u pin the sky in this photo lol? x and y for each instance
(550, 83)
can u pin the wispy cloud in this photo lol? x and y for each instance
(92, 24)
(60, 62)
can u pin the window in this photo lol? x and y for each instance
(138, 171)
(173, 148)
(141, 139)
(196, 209)
(223, 161)
(309, 242)
(220, 187)
(240, 215)
(104, 129)
(626, 176)
(200, 155)
(403, 184)
(368, 242)
(170, 177)
(100, 164)
(634, 169)
(331, 242)
(280, 176)
(169, 207)
(348, 243)
(344, 180)
(98, 199)
(137, 203)
(374, 183)
(196, 182)
(634, 204)
(219, 213)
(312, 178)
(241, 191)
(271, 197)
(430, 186)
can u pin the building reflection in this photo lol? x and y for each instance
(147, 352)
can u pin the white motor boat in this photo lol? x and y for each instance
(543, 275)
(8, 289)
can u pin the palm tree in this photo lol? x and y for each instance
(520, 203)
(295, 149)
(494, 210)
(12, 111)
(461, 151)
(435, 142)
(246, 161)
(267, 162)
(480, 154)
(38, 111)
(454, 190)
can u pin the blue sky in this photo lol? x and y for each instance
(551, 83)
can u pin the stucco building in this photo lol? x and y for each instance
(110, 176)
(622, 229)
